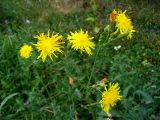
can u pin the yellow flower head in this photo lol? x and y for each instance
(110, 97)
(81, 41)
(124, 24)
(26, 51)
(48, 45)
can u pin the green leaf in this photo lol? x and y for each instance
(148, 99)
(6, 99)
(126, 90)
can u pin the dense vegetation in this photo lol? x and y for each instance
(33, 90)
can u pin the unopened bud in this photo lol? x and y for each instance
(104, 80)
(71, 81)
(113, 15)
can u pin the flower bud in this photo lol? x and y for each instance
(71, 81)
(113, 15)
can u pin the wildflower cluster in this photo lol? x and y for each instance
(50, 44)
(120, 26)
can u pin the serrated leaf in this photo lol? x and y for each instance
(148, 99)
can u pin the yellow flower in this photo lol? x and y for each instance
(81, 41)
(48, 45)
(26, 51)
(124, 24)
(110, 97)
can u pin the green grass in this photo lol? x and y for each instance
(33, 90)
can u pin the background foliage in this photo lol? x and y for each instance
(33, 90)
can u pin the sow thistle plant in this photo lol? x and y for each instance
(50, 44)
(120, 27)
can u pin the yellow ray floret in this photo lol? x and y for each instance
(124, 24)
(48, 45)
(81, 41)
(26, 51)
(110, 97)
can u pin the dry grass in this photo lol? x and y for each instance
(66, 6)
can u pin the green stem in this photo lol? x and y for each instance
(92, 104)
(92, 70)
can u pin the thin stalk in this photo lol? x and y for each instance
(92, 70)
